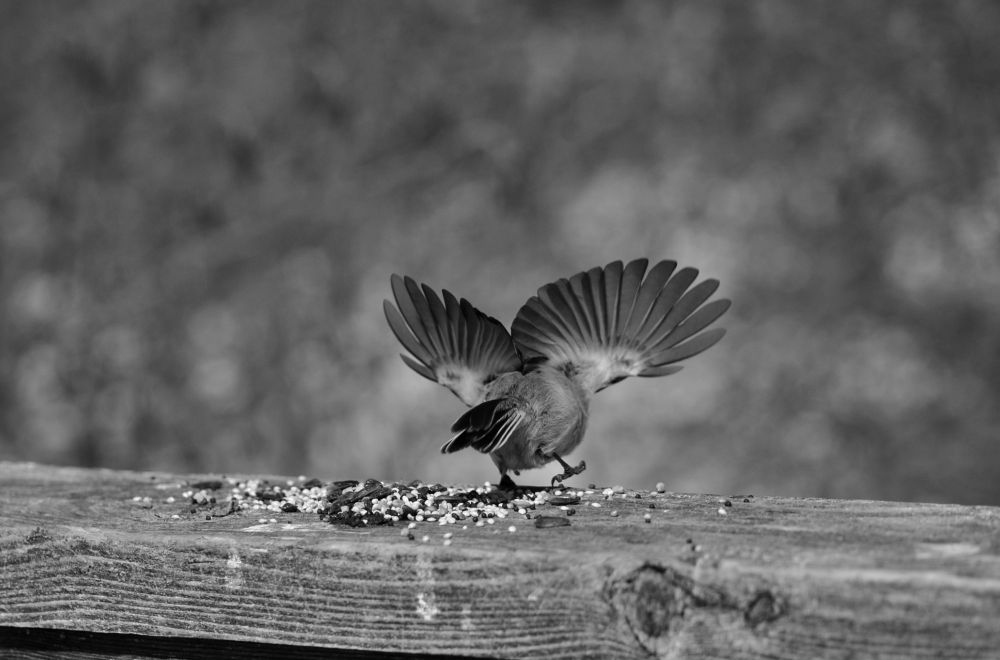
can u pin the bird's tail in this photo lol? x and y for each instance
(486, 427)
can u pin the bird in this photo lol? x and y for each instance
(529, 390)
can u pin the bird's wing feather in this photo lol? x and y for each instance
(606, 324)
(451, 342)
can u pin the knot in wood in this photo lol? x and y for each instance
(652, 600)
(763, 607)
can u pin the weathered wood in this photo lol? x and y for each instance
(772, 578)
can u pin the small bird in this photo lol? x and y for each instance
(529, 390)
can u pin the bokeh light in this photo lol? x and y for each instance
(201, 204)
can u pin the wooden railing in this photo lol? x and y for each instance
(101, 562)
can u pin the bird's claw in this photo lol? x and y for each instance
(569, 472)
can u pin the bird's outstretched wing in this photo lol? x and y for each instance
(452, 342)
(606, 324)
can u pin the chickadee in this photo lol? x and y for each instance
(529, 391)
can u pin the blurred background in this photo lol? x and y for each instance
(201, 204)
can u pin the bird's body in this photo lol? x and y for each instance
(529, 393)
(555, 417)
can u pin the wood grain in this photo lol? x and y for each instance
(772, 578)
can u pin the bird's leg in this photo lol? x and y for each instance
(568, 470)
(506, 483)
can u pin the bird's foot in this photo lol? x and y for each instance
(568, 470)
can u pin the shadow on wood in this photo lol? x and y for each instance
(76, 645)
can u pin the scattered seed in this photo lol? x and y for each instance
(614, 514)
(370, 502)
(661, 487)
(512, 529)
(722, 511)
(647, 517)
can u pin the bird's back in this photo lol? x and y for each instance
(556, 411)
